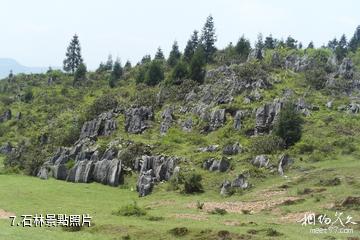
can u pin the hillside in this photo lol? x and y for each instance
(242, 148)
(7, 65)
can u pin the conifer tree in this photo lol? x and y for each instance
(191, 46)
(174, 55)
(159, 54)
(73, 55)
(208, 39)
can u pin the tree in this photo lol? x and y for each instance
(80, 73)
(73, 55)
(159, 54)
(291, 42)
(341, 48)
(289, 124)
(208, 39)
(109, 63)
(243, 48)
(192, 183)
(155, 73)
(127, 66)
(146, 59)
(179, 72)
(197, 65)
(269, 42)
(259, 43)
(174, 55)
(333, 44)
(116, 73)
(311, 45)
(355, 40)
(191, 46)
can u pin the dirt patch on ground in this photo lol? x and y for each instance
(198, 217)
(161, 203)
(268, 193)
(5, 215)
(232, 223)
(240, 207)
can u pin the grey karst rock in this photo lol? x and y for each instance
(255, 95)
(217, 119)
(247, 100)
(284, 161)
(18, 116)
(332, 63)
(240, 182)
(5, 116)
(154, 169)
(103, 125)
(232, 149)
(216, 165)
(276, 60)
(342, 108)
(60, 157)
(59, 171)
(287, 93)
(346, 69)
(225, 188)
(353, 108)
(43, 173)
(266, 115)
(329, 104)
(138, 119)
(187, 125)
(84, 171)
(108, 172)
(145, 183)
(237, 119)
(299, 63)
(260, 161)
(210, 148)
(7, 148)
(167, 119)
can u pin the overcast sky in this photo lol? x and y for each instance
(37, 32)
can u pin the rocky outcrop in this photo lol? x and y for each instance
(167, 119)
(237, 119)
(103, 125)
(212, 164)
(240, 182)
(154, 169)
(7, 148)
(6, 116)
(83, 163)
(210, 148)
(232, 149)
(138, 119)
(260, 161)
(352, 108)
(187, 125)
(266, 116)
(284, 162)
(217, 119)
(346, 69)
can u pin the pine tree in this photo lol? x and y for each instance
(341, 48)
(269, 42)
(355, 40)
(291, 42)
(208, 39)
(155, 73)
(179, 72)
(80, 74)
(197, 65)
(73, 55)
(146, 59)
(311, 45)
(109, 63)
(243, 48)
(159, 54)
(191, 46)
(116, 73)
(127, 66)
(174, 55)
(333, 44)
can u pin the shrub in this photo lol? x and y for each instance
(101, 104)
(267, 144)
(289, 125)
(316, 78)
(219, 211)
(80, 74)
(192, 183)
(155, 218)
(28, 96)
(179, 72)
(179, 231)
(130, 210)
(155, 73)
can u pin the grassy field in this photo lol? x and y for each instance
(28, 195)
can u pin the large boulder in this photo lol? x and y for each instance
(217, 119)
(260, 161)
(346, 69)
(137, 119)
(237, 119)
(240, 182)
(266, 116)
(6, 116)
(210, 148)
(167, 119)
(212, 164)
(108, 172)
(284, 161)
(232, 149)
(154, 169)
(187, 125)
(103, 125)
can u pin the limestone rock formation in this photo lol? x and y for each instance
(260, 161)
(137, 119)
(103, 125)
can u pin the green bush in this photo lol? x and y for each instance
(316, 78)
(289, 124)
(266, 144)
(130, 210)
(179, 231)
(102, 104)
(192, 183)
(218, 211)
